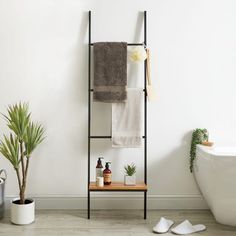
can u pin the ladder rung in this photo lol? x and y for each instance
(128, 44)
(104, 136)
(99, 136)
(91, 90)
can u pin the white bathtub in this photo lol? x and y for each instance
(215, 173)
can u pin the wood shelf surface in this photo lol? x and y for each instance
(118, 186)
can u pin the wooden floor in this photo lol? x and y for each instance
(112, 223)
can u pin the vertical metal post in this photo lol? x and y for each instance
(145, 117)
(89, 108)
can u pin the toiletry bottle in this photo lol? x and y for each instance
(99, 168)
(107, 174)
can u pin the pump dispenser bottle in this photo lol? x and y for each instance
(107, 174)
(99, 167)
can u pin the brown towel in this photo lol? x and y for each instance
(110, 72)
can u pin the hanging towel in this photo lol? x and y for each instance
(127, 120)
(110, 72)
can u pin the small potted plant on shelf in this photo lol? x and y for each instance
(130, 171)
(17, 147)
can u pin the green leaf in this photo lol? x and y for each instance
(18, 119)
(9, 148)
(130, 169)
(33, 137)
(198, 136)
(24, 131)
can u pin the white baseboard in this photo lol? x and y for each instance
(117, 202)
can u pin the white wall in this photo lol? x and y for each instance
(43, 60)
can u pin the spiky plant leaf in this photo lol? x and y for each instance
(9, 147)
(33, 137)
(130, 169)
(18, 119)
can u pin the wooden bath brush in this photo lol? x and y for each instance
(151, 94)
(207, 143)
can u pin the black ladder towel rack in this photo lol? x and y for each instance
(117, 187)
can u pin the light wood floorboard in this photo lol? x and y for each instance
(109, 222)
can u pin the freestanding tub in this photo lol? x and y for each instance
(215, 173)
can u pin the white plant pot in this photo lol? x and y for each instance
(130, 180)
(22, 214)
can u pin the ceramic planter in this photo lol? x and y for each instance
(2, 187)
(22, 214)
(1, 198)
(130, 180)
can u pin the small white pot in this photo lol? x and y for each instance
(130, 180)
(22, 214)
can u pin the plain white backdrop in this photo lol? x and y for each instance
(43, 61)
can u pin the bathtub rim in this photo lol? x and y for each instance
(212, 151)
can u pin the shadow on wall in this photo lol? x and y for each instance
(167, 173)
(76, 90)
(79, 64)
(79, 79)
(134, 70)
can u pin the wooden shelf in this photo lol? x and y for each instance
(118, 186)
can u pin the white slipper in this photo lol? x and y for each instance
(163, 226)
(187, 228)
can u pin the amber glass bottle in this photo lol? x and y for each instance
(99, 172)
(107, 174)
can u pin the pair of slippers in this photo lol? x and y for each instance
(185, 227)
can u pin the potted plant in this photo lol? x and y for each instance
(17, 147)
(198, 137)
(130, 171)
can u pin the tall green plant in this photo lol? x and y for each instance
(198, 136)
(24, 137)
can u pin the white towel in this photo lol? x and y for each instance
(127, 120)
